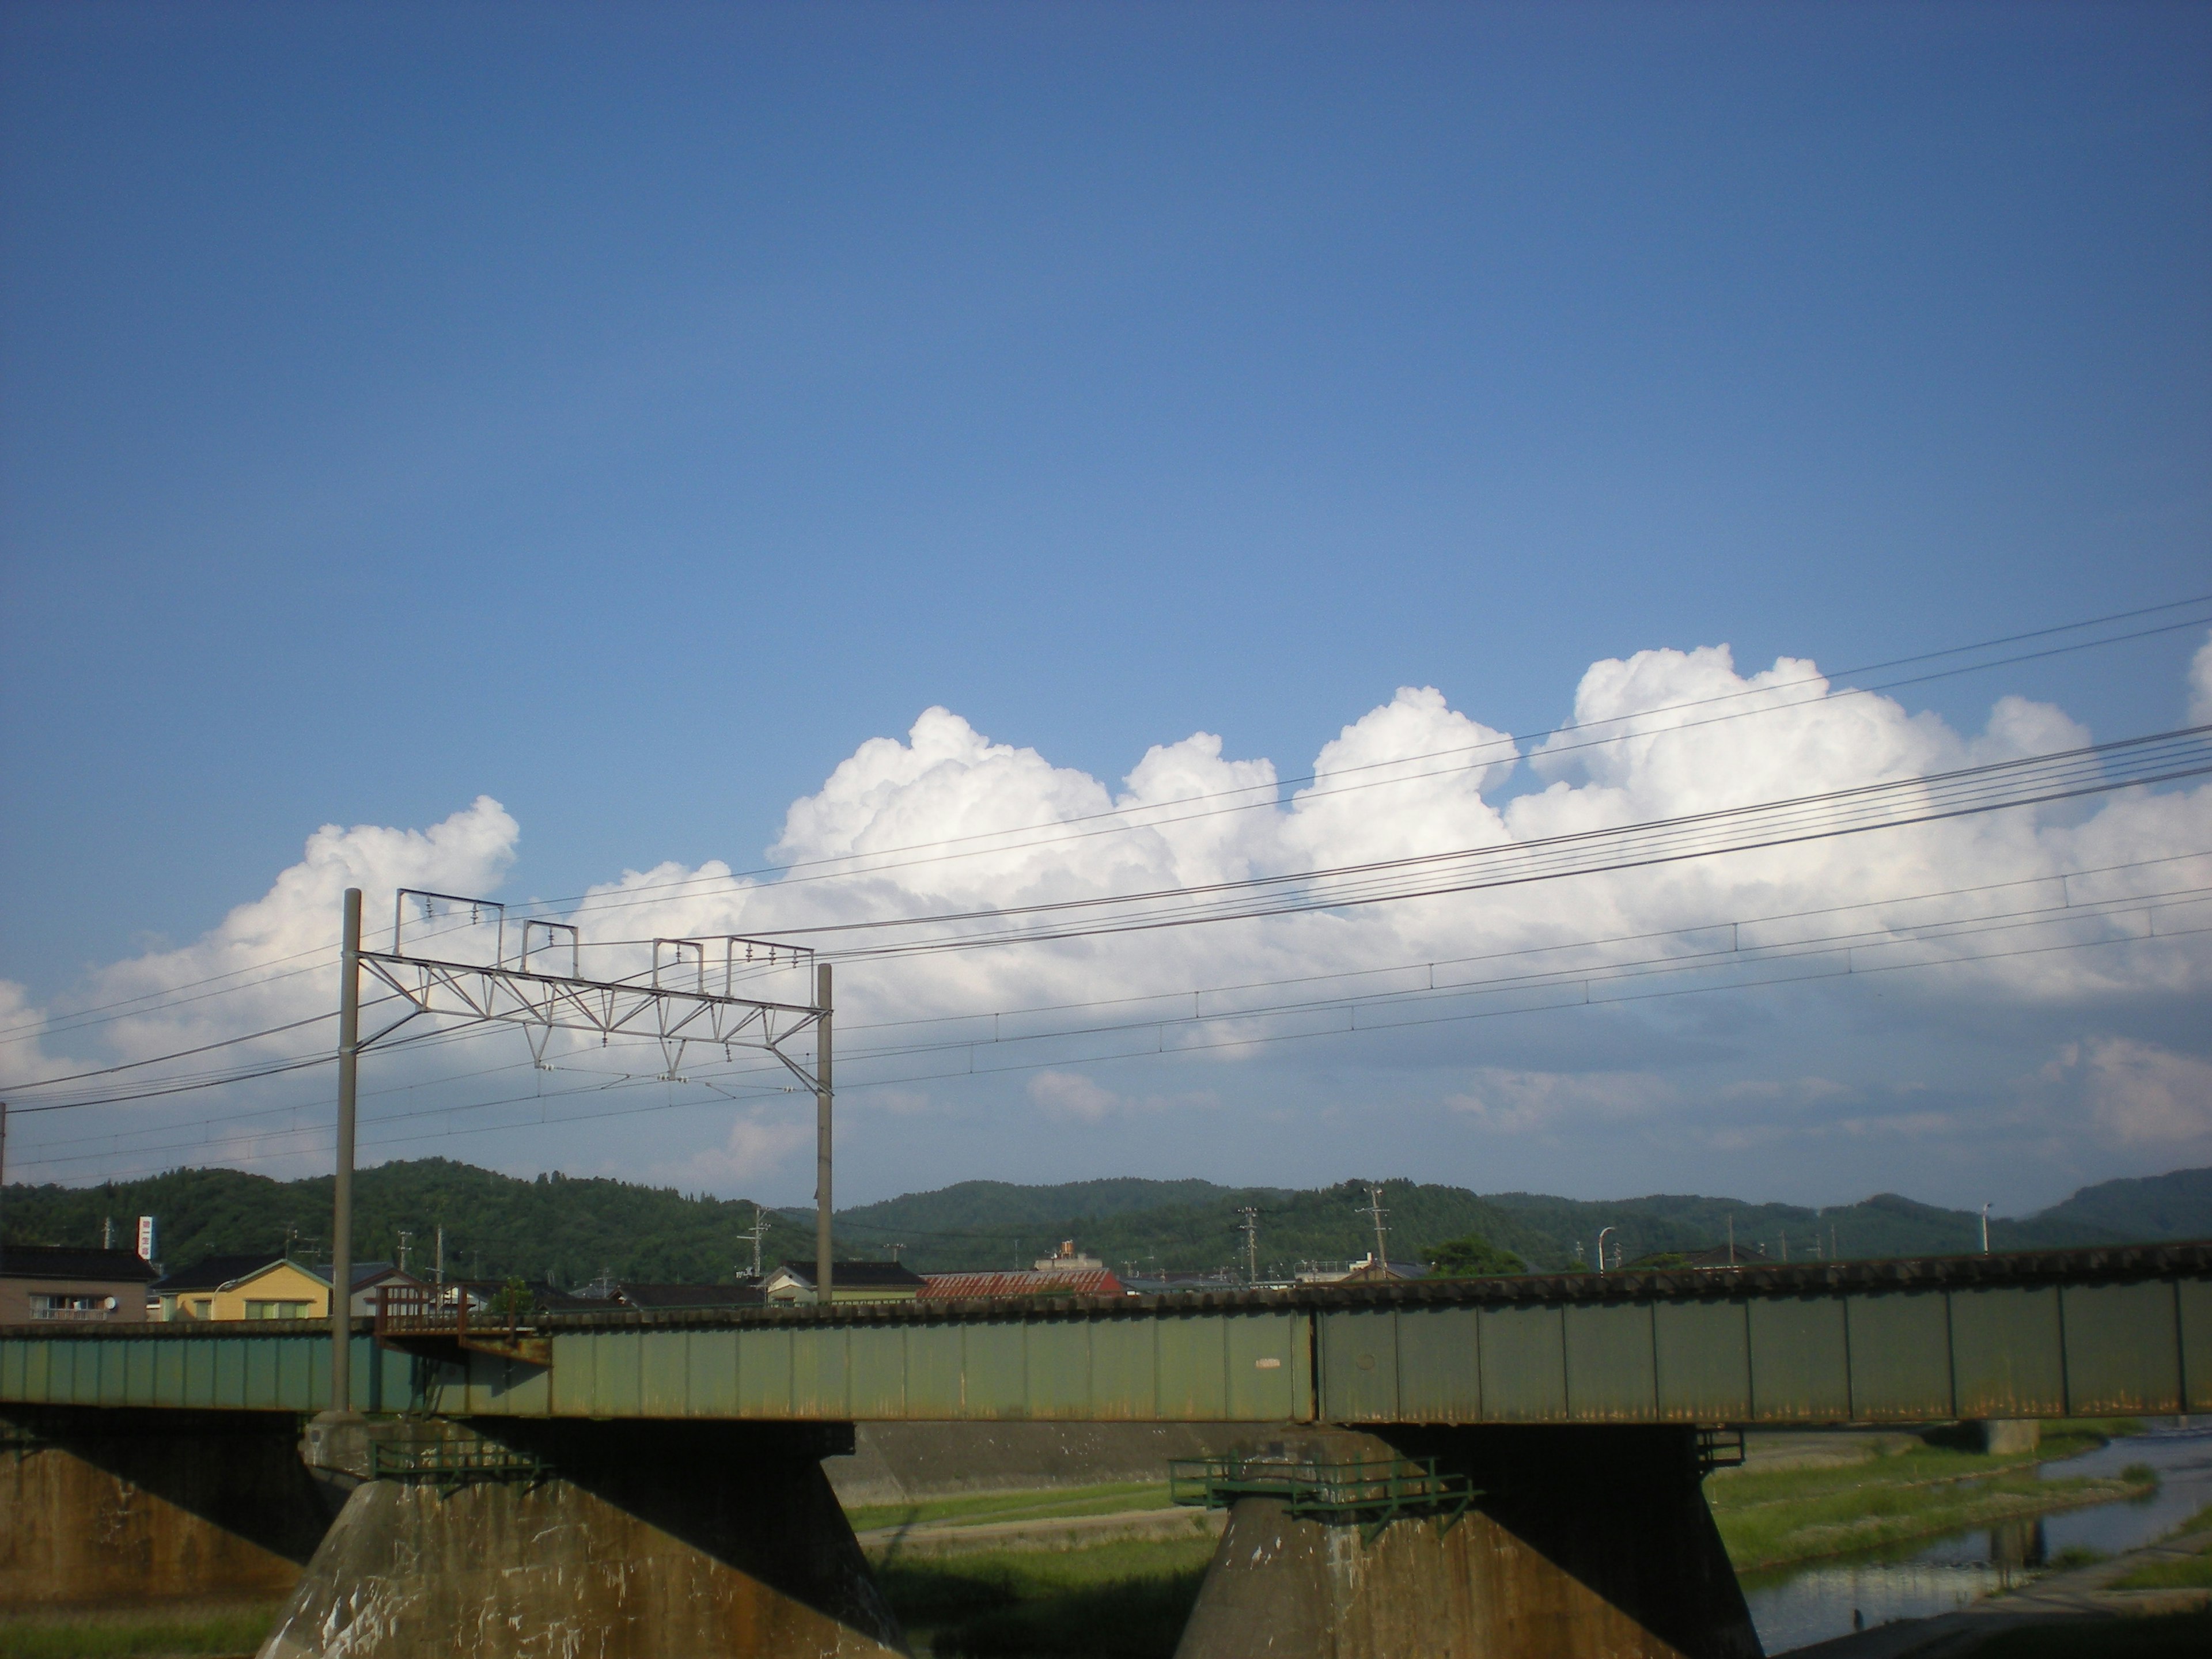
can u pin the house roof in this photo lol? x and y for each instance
(217, 1271)
(213, 1273)
(1094, 1281)
(690, 1296)
(66, 1262)
(859, 1275)
(1715, 1255)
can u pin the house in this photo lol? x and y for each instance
(193, 1292)
(849, 1281)
(48, 1281)
(1714, 1258)
(669, 1298)
(268, 1287)
(1068, 1260)
(1368, 1271)
(1181, 1282)
(1094, 1281)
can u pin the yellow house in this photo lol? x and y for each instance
(264, 1287)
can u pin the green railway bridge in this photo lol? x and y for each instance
(649, 1484)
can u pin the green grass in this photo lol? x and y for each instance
(979, 1508)
(1122, 1600)
(2192, 1572)
(2166, 1636)
(1768, 1518)
(164, 1632)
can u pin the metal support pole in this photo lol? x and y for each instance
(823, 1096)
(342, 1188)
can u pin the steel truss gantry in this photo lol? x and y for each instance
(687, 997)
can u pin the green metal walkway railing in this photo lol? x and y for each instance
(1370, 1492)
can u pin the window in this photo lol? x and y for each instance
(276, 1310)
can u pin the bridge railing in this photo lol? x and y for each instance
(417, 1312)
(1370, 1492)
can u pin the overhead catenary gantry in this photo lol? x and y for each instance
(689, 995)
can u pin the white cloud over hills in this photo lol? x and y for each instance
(2013, 999)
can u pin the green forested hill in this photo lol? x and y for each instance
(1198, 1229)
(568, 1230)
(2176, 1206)
(554, 1227)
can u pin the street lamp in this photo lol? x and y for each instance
(1601, 1247)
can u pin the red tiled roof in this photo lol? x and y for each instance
(1096, 1281)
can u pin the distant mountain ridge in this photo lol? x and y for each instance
(2178, 1205)
(568, 1230)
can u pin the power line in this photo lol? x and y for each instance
(2074, 773)
(1244, 1040)
(81, 1018)
(627, 897)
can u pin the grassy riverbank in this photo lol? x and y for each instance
(1774, 1518)
(1121, 1601)
(168, 1631)
(982, 1509)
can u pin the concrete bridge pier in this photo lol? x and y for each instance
(101, 1506)
(637, 1540)
(1582, 1543)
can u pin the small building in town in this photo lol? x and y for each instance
(849, 1281)
(57, 1282)
(1068, 1260)
(262, 1287)
(1039, 1281)
(1067, 1272)
(1368, 1271)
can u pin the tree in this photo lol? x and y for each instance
(1472, 1256)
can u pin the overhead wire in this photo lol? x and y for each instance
(370, 1142)
(1939, 930)
(80, 1018)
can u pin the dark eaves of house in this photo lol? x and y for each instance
(861, 1275)
(65, 1262)
(213, 1273)
(690, 1296)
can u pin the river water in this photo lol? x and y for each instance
(1797, 1607)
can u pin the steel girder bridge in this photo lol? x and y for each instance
(2068, 1333)
(645, 1485)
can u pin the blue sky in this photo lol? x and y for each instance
(627, 412)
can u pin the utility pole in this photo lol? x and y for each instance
(1374, 1208)
(1985, 1229)
(1250, 1226)
(107, 1232)
(405, 1239)
(1731, 1221)
(4, 1172)
(757, 1233)
(341, 1187)
(824, 1095)
(437, 1272)
(895, 1250)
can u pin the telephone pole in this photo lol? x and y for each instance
(757, 1232)
(824, 1097)
(342, 1185)
(1374, 1207)
(1250, 1227)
